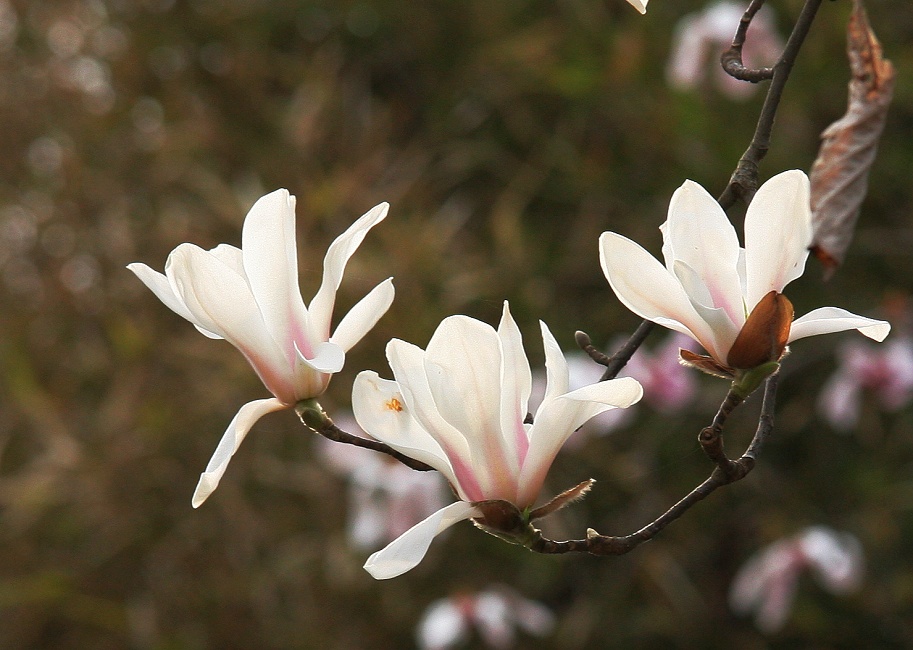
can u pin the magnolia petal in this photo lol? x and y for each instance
(270, 255)
(516, 385)
(328, 358)
(228, 445)
(640, 5)
(557, 373)
(381, 410)
(826, 320)
(364, 315)
(778, 232)
(697, 224)
(408, 364)
(463, 368)
(334, 265)
(220, 301)
(406, 551)
(647, 288)
(161, 286)
(558, 418)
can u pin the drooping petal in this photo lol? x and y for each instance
(640, 5)
(463, 369)
(697, 224)
(381, 410)
(407, 550)
(647, 288)
(270, 256)
(160, 285)
(220, 300)
(334, 265)
(558, 418)
(228, 445)
(408, 364)
(516, 385)
(778, 232)
(364, 315)
(826, 320)
(312, 376)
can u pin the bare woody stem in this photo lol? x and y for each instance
(727, 471)
(731, 59)
(617, 361)
(744, 181)
(316, 419)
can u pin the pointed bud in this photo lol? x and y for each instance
(765, 333)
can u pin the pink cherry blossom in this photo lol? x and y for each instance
(249, 296)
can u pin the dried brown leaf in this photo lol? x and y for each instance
(840, 174)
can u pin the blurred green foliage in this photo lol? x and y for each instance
(506, 135)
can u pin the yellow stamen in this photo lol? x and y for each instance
(394, 404)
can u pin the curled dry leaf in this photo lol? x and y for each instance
(839, 177)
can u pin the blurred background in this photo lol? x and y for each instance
(506, 136)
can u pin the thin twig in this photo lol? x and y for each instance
(731, 59)
(735, 470)
(316, 419)
(617, 361)
(744, 181)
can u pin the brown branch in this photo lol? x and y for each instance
(316, 419)
(731, 59)
(727, 471)
(617, 361)
(744, 181)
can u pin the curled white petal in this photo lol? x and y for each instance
(826, 320)
(640, 5)
(228, 445)
(406, 551)
(364, 315)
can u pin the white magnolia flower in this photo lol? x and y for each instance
(727, 298)
(249, 296)
(460, 406)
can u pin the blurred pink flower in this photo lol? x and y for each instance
(460, 406)
(703, 36)
(766, 584)
(249, 296)
(495, 614)
(385, 497)
(886, 372)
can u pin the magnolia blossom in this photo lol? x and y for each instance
(886, 373)
(701, 37)
(766, 585)
(461, 406)
(249, 296)
(495, 614)
(385, 496)
(727, 298)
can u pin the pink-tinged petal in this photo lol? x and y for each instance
(647, 288)
(833, 319)
(312, 376)
(405, 552)
(382, 411)
(334, 265)
(408, 364)
(697, 224)
(220, 300)
(228, 445)
(640, 5)
(558, 418)
(778, 232)
(270, 256)
(516, 384)
(159, 284)
(463, 369)
(364, 315)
